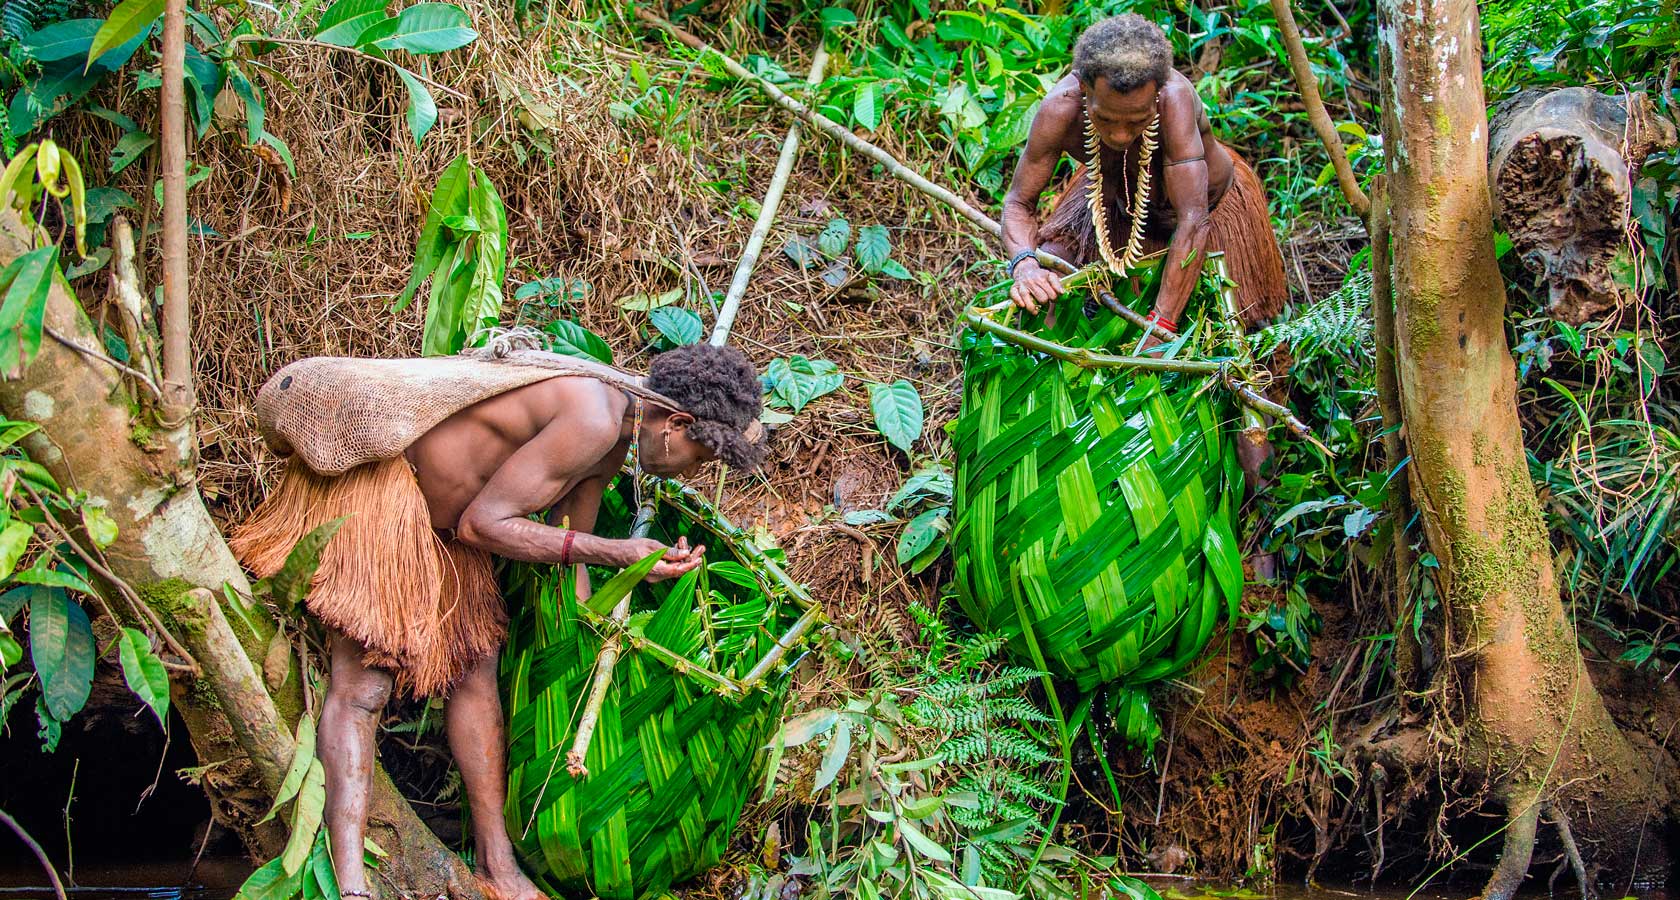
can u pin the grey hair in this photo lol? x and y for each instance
(1128, 50)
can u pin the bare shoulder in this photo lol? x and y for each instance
(583, 407)
(1058, 116)
(1179, 96)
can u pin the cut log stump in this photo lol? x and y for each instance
(1561, 164)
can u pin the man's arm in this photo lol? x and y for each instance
(1187, 191)
(1033, 284)
(560, 459)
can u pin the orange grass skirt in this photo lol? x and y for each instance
(1240, 226)
(423, 607)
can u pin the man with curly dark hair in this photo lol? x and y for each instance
(405, 586)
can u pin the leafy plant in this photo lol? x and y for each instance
(794, 381)
(935, 798)
(898, 412)
(463, 249)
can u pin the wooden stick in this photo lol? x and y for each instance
(40, 855)
(172, 139)
(602, 679)
(1086, 359)
(1316, 113)
(766, 215)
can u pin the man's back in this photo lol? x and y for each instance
(456, 459)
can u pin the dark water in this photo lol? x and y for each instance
(214, 879)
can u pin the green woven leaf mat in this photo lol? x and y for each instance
(1095, 511)
(673, 758)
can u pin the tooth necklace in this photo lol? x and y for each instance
(1139, 198)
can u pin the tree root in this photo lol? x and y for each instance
(1572, 852)
(1517, 854)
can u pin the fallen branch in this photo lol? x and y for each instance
(1316, 113)
(766, 216)
(604, 663)
(40, 855)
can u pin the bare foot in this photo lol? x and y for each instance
(509, 885)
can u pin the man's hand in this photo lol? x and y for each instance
(1034, 285)
(678, 560)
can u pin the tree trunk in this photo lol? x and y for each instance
(1534, 727)
(96, 437)
(1562, 167)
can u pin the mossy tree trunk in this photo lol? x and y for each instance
(100, 435)
(1531, 727)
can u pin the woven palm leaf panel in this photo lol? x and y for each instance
(1095, 509)
(672, 759)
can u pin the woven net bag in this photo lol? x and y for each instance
(698, 693)
(1095, 507)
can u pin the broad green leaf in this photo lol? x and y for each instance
(834, 757)
(431, 28)
(284, 151)
(898, 412)
(130, 149)
(866, 106)
(14, 540)
(44, 574)
(44, 97)
(126, 22)
(16, 431)
(802, 728)
(931, 483)
(61, 647)
(571, 339)
(449, 198)
(892, 268)
(920, 533)
(422, 109)
(303, 754)
(800, 380)
(679, 326)
(144, 672)
(270, 883)
(921, 843)
(320, 868)
(772, 766)
(862, 517)
(376, 32)
(101, 528)
(10, 653)
(23, 312)
(290, 585)
(306, 819)
(255, 109)
(61, 40)
(834, 238)
(619, 586)
(344, 22)
(873, 247)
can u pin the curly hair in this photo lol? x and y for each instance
(1129, 51)
(720, 388)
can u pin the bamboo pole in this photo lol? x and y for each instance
(602, 679)
(766, 215)
(172, 142)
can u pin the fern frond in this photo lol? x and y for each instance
(1339, 323)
